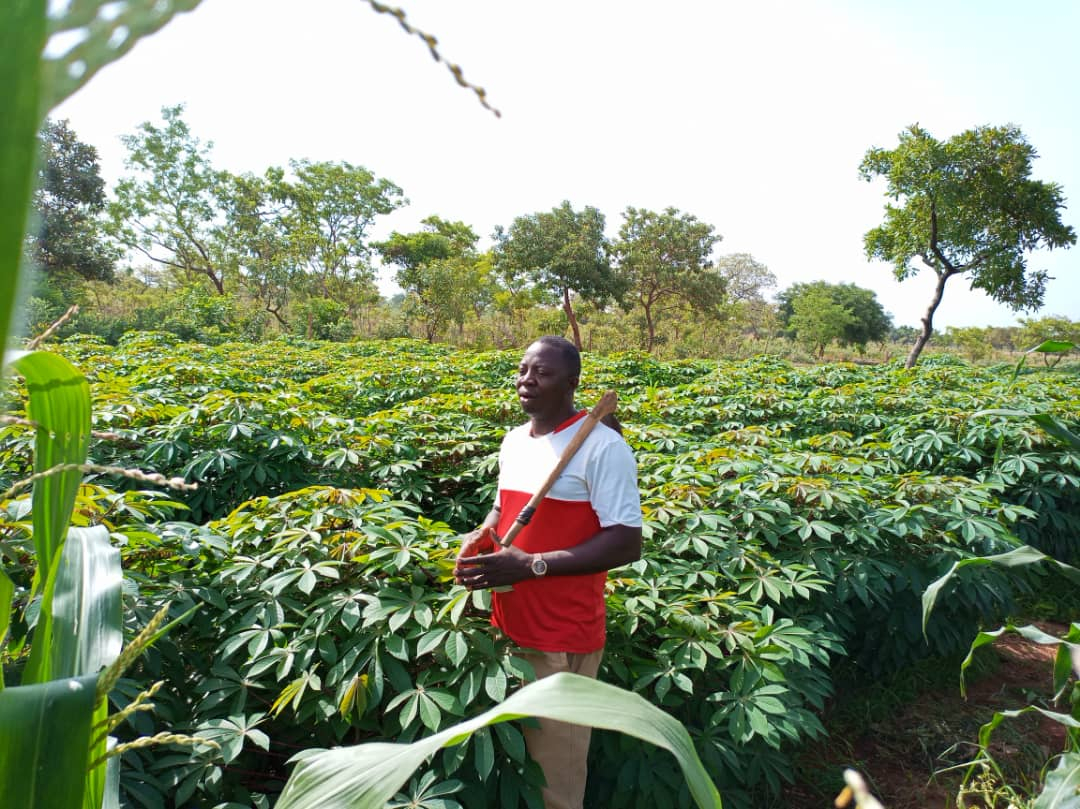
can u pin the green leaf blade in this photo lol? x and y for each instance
(22, 40)
(368, 775)
(44, 746)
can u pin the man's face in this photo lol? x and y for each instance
(544, 384)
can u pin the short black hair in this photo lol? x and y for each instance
(567, 350)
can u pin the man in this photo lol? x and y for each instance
(589, 522)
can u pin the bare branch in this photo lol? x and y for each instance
(431, 42)
(49, 332)
(19, 421)
(177, 483)
(99, 434)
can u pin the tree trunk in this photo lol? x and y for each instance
(277, 316)
(928, 320)
(569, 309)
(651, 328)
(218, 281)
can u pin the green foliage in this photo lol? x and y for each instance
(819, 312)
(1063, 784)
(744, 278)
(367, 776)
(329, 616)
(281, 236)
(22, 38)
(817, 319)
(1035, 331)
(74, 629)
(563, 253)
(665, 258)
(53, 716)
(793, 516)
(331, 207)
(972, 341)
(167, 207)
(968, 206)
(322, 319)
(442, 273)
(192, 312)
(68, 199)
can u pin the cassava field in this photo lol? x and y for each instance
(794, 517)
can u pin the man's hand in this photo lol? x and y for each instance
(506, 566)
(474, 543)
(482, 540)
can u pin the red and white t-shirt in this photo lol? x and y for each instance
(597, 489)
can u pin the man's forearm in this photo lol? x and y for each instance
(492, 519)
(611, 547)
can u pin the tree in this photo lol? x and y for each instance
(331, 207)
(292, 238)
(972, 340)
(966, 206)
(281, 236)
(866, 320)
(744, 277)
(664, 259)
(438, 239)
(564, 253)
(903, 334)
(169, 207)
(441, 272)
(744, 280)
(818, 318)
(871, 322)
(1034, 331)
(68, 201)
(261, 253)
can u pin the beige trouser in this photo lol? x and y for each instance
(561, 748)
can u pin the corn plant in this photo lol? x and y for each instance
(52, 753)
(367, 776)
(76, 631)
(1062, 784)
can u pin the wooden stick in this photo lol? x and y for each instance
(605, 407)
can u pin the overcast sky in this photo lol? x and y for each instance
(753, 116)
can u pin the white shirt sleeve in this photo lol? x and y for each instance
(613, 491)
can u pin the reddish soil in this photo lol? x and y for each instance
(907, 755)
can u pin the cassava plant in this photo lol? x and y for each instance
(794, 516)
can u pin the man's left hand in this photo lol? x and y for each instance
(507, 566)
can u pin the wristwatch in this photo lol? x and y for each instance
(539, 566)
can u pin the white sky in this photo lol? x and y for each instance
(753, 116)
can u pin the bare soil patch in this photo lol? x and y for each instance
(906, 755)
